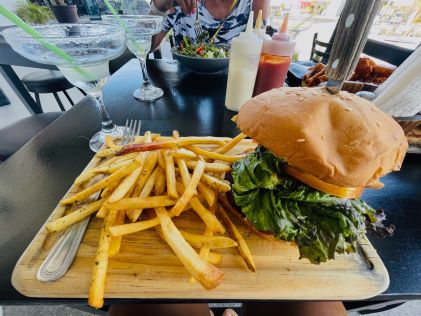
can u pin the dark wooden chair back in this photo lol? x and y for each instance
(390, 53)
(320, 51)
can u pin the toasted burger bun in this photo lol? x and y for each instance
(341, 139)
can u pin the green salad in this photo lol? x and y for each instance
(201, 48)
(319, 223)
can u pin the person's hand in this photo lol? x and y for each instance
(187, 6)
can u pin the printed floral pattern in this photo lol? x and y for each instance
(182, 24)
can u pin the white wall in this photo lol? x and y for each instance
(11, 5)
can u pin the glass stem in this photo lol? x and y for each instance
(107, 125)
(146, 81)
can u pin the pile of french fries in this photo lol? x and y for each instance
(147, 184)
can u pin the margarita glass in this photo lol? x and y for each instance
(139, 31)
(86, 50)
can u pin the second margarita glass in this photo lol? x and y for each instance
(139, 31)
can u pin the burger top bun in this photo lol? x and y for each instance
(341, 139)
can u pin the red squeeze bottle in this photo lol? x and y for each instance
(274, 61)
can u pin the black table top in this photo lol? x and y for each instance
(34, 179)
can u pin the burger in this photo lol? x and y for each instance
(316, 154)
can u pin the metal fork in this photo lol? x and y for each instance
(64, 251)
(197, 25)
(131, 130)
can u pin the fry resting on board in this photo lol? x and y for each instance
(168, 176)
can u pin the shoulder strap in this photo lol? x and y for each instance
(232, 7)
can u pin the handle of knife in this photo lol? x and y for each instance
(62, 254)
(351, 35)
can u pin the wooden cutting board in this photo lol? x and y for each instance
(146, 268)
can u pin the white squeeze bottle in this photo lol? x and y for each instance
(244, 61)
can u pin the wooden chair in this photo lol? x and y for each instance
(318, 55)
(48, 81)
(389, 53)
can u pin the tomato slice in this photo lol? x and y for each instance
(316, 183)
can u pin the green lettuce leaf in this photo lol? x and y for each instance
(319, 223)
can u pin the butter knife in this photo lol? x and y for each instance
(352, 31)
(63, 252)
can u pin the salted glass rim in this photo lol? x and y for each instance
(133, 17)
(17, 32)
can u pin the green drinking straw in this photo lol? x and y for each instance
(114, 12)
(123, 25)
(38, 37)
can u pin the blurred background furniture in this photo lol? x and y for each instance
(390, 53)
(14, 136)
(3, 99)
(48, 81)
(320, 51)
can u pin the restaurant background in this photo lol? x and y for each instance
(398, 23)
